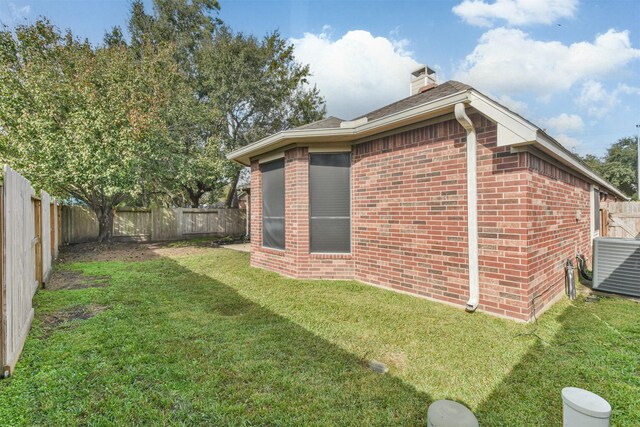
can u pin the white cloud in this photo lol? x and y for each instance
(628, 90)
(596, 100)
(510, 61)
(18, 13)
(569, 142)
(566, 123)
(515, 12)
(10, 14)
(358, 72)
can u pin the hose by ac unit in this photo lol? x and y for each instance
(586, 278)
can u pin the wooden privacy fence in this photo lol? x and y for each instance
(79, 224)
(28, 243)
(620, 219)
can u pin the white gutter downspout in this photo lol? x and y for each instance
(472, 206)
(247, 214)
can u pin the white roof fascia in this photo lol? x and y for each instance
(341, 134)
(550, 147)
(512, 130)
(353, 123)
(287, 135)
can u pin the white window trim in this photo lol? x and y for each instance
(329, 150)
(283, 250)
(593, 190)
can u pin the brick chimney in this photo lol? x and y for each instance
(422, 79)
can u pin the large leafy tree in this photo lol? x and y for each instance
(197, 165)
(619, 166)
(236, 89)
(82, 122)
(258, 89)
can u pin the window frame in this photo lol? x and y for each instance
(595, 216)
(284, 211)
(350, 187)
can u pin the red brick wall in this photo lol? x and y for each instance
(409, 220)
(409, 211)
(410, 216)
(502, 224)
(559, 209)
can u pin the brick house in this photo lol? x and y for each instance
(445, 194)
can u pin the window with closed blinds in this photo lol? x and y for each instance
(273, 204)
(330, 202)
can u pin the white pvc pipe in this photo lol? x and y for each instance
(472, 206)
(247, 214)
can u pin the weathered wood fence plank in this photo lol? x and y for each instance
(79, 224)
(46, 232)
(165, 223)
(132, 225)
(37, 241)
(28, 245)
(4, 369)
(622, 219)
(19, 278)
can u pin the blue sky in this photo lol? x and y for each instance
(571, 67)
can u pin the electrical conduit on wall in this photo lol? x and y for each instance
(472, 206)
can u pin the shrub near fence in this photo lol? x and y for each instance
(28, 244)
(79, 224)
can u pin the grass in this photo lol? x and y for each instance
(205, 339)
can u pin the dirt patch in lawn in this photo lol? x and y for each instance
(65, 318)
(132, 251)
(172, 250)
(70, 279)
(397, 359)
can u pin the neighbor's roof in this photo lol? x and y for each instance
(513, 129)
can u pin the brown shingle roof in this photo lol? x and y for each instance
(328, 123)
(440, 91)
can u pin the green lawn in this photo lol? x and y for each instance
(205, 339)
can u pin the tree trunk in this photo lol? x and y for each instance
(232, 197)
(195, 201)
(105, 223)
(194, 197)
